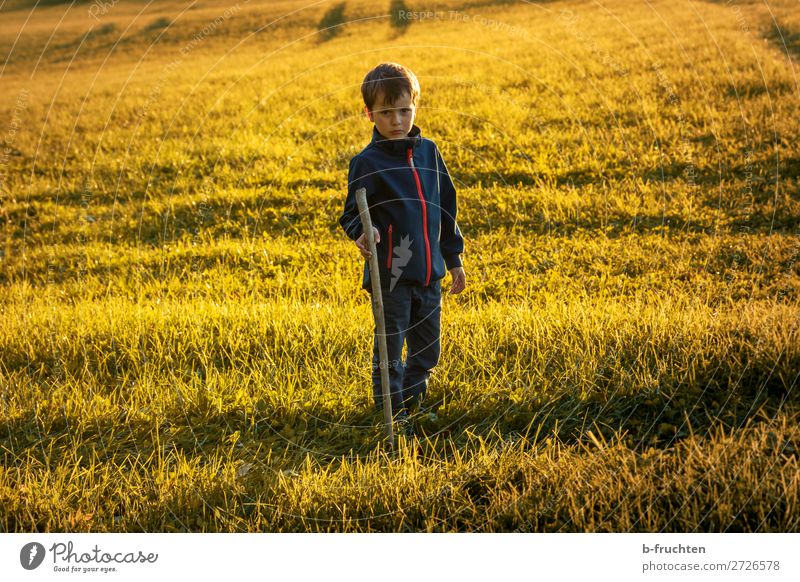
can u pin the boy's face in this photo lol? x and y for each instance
(393, 120)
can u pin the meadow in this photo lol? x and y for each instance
(184, 344)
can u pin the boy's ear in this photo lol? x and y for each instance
(368, 112)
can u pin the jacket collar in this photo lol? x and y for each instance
(397, 146)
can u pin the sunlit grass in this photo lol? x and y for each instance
(184, 345)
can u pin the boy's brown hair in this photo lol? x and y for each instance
(392, 80)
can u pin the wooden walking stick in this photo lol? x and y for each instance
(377, 311)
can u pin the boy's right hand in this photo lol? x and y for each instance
(361, 242)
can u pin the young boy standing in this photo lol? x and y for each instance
(412, 204)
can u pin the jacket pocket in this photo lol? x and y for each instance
(390, 251)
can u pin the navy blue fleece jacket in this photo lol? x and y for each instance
(412, 203)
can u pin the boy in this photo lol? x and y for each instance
(412, 204)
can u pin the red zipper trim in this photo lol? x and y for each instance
(389, 260)
(424, 218)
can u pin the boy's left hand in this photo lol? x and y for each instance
(459, 280)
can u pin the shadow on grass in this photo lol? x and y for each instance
(197, 426)
(330, 26)
(239, 462)
(399, 18)
(785, 39)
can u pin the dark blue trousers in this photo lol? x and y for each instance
(413, 315)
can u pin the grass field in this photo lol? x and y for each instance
(184, 345)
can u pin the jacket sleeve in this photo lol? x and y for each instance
(451, 242)
(359, 176)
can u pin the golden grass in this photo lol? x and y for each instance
(183, 342)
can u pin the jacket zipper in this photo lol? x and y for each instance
(389, 260)
(424, 218)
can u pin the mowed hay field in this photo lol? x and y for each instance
(184, 345)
